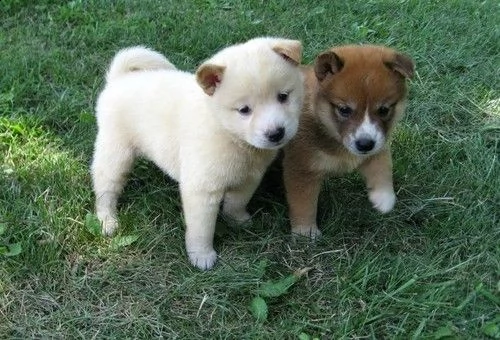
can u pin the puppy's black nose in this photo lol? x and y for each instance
(276, 135)
(365, 144)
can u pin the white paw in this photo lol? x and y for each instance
(203, 260)
(239, 216)
(310, 231)
(109, 225)
(382, 200)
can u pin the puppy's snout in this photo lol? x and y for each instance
(365, 144)
(276, 135)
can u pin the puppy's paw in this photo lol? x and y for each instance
(203, 260)
(109, 225)
(310, 231)
(239, 216)
(383, 199)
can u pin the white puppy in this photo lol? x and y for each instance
(215, 132)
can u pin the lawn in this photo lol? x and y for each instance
(428, 270)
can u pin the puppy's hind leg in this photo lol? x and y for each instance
(110, 166)
(236, 200)
(302, 192)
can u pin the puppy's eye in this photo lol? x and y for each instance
(245, 110)
(282, 97)
(344, 111)
(383, 111)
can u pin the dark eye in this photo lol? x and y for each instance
(282, 97)
(244, 110)
(383, 111)
(344, 111)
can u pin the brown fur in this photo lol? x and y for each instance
(367, 80)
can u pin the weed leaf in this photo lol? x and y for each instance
(277, 288)
(87, 117)
(92, 224)
(443, 333)
(122, 241)
(14, 249)
(3, 228)
(280, 287)
(492, 328)
(258, 307)
(304, 336)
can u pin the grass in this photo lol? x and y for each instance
(429, 269)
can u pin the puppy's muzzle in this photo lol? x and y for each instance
(275, 136)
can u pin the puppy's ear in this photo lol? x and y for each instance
(401, 64)
(209, 76)
(327, 63)
(290, 50)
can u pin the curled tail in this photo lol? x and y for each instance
(136, 58)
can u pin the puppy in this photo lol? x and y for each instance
(354, 97)
(215, 131)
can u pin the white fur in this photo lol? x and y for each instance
(383, 199)
(149, 108)
(367, 129)
(135, 59)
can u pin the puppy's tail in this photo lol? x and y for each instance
(137, 58)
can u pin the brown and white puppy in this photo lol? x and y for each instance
(354, 97)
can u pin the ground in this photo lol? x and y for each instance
(429, 269)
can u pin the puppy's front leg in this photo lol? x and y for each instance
(200, 213)
(302, 191)
(377, 172)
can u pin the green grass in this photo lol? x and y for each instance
(429, 269)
